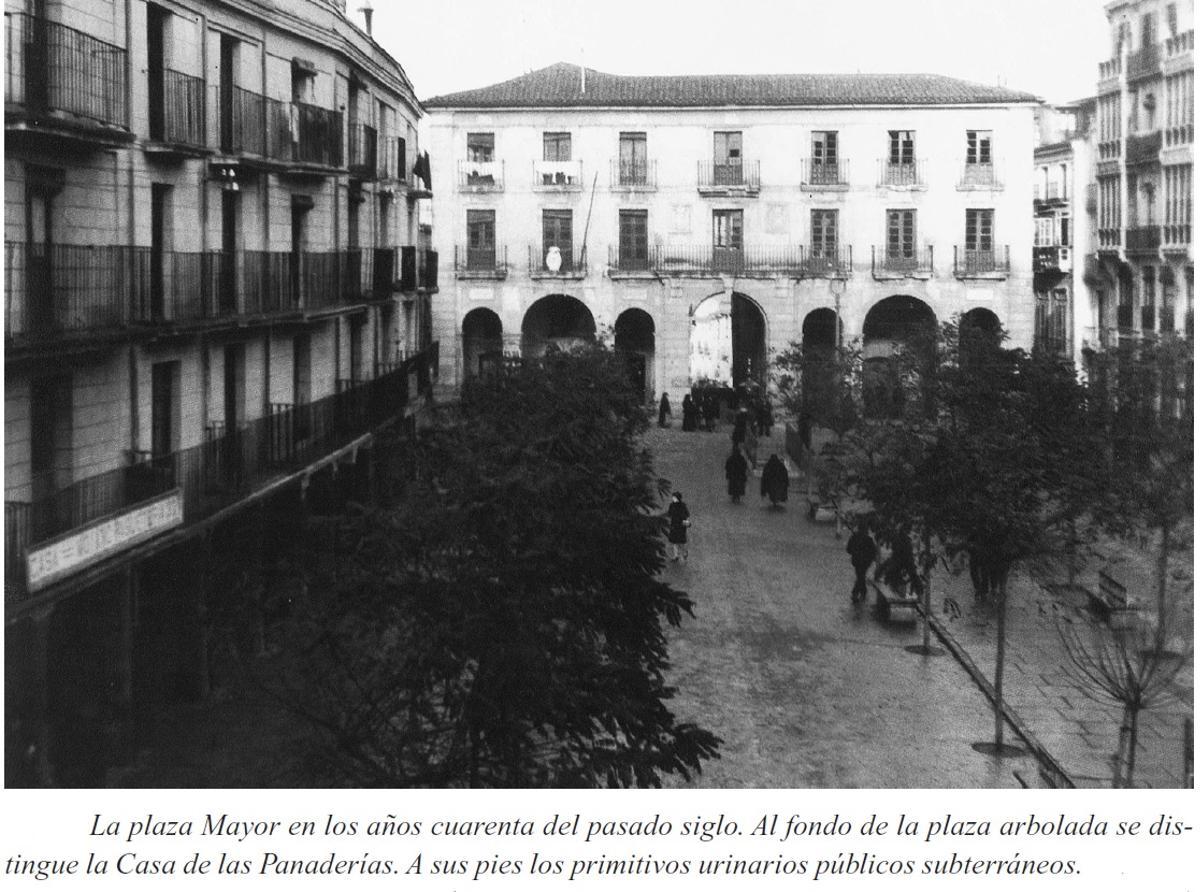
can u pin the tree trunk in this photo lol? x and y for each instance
(1131, 750)
(1001, 640)
(1118, 759)
(1160, 632)
(926, 567)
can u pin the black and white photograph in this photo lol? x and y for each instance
(526, 395)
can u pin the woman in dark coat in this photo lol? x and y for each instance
(739, 427)
(679, 516)
(712, 410)
(862, 551)
(736, 473)
(689, 413)
(664, 410)
(775, 480)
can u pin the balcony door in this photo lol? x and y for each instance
(632, 159)
(901, 239)
(156, 26)
(225, 91)
(634, 247)
(727, 241)
(824, 235)
(481, 239)
(227, 284)
(160, 198)
(50, 439)
(39, 272)
(727, 158)
(557, 234)
(164, 410)
(980, 249)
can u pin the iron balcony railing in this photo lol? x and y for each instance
(368, 273)
(481, 176)
(177, 109)
(364, 151)
(572, 265)
(1143, 148)
(893, 260)
(59, 291)
(902, 173)
(984, 175)
(1053, 192)
(427, 269)
(632, 174)
(1144, 63)
(738, 176)
(288, 132)
(54, 69)
(563, 176)
(1110, 69)
(794, 261)
(980, 261)
(389, 165)
(1110, 238)
(316, 135)
(228, 466)
(1177, 235)
(824, 173)
(1179, 44)
(1142, 238)
(489, 262)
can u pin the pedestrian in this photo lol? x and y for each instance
(774, 481)
(862, 551)
(664, 411)
(712, 410)
(680, 520)
(751, 445)
(689, 413)
(739, 428)
(765, 419)
(736, 473)
(899, 569)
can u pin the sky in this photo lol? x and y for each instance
(1046, 47)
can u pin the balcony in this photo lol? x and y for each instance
(632, 176)
(63, 84)
(1052, 259)
(363, 150)
(1109, 74)
(1142, 239)
(736, 179)
(228, 467)
(832, 175)
(893, 263)
(785, 261)
(480, 263)
(902, 175)
(177, 119)
(980, 176)
(571, 264)
(558, 176)
(316, 138)
(1053, 196)
(1143, 149)
(1109, 239)
(427, 270)
(480, 176)
(1146, 62)
(1177, 237)
(981, 263)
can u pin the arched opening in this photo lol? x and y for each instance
(557, 319)
(980, 320)
(728, 341)
(818, 374)
(634, 339)
(483, 341)
(899, 336)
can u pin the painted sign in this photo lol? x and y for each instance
(102, 538)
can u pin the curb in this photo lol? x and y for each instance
(1053, 772)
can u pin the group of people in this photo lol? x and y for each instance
(898, 570)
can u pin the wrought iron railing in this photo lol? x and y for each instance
(739, 175)
(52, 68)
(985, 175)
(901, 173)
(57, 291)
(1144, 62)
(824, 173)
(566, 176)
(486, 261)
(1142, 238)
(980, 261)
(364, 150)
(427, 269)
(182, 114)
(316, 135)
(573, 262)
(228, 466)
(887, 259)
(481, 176)
(795, 261)
(1143, 148)
(624, 173)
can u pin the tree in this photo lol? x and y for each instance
(498, 620)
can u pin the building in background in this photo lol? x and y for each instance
(1143, 281)
(706, 221)
(217, 286)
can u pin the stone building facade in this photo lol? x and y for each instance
(705, 222)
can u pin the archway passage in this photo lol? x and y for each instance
(818, 373)
(899, 337)
(980, 321)
(728, 341)
(634, 339)
(483, 341)
(559, 320)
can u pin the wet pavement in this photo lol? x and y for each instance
(805, 689)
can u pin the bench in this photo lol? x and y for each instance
(892, 607)
(1110, 599)
(822, 512)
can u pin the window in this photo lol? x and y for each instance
(901, 237)
(1050, 322)
(632, 160)
(1044, 235)
(824, 234)
(556, 233)
(164, 408)
(727, 229)
(481, 147)
(979, 147)
(556, 147)
(481, 239)
(1148, 298)
(635, 252)
(1064, 231)
(979, 229)
(901, 146)
(824, 157)
(727, 158)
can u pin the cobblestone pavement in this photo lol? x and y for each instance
(1081, 733)
(806, 690)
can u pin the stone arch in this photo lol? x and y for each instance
(895, 327)
(818, 373)
(482, 340)
(634, 338)
(728, 340)
(556, 319)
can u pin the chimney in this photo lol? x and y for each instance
(367, 12)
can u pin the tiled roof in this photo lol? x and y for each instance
(559, 85)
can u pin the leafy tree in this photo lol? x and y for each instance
(498, 620)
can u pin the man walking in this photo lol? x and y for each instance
(862, 551)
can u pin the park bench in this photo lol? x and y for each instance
(1110, 599)
(892, 607)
